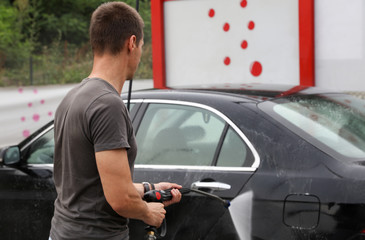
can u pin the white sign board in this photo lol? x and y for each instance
(215, 41)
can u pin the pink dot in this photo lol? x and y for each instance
(244, 44)
(42, 101)
(36, 117)
(30, 104)
(20, 90)
(226, 27)
(26, 133)
(50, 113)
(243, 3)
(211, 12)
(227, 61)
(256, 69)
(251, 25)
(22, 119)
(35, 91)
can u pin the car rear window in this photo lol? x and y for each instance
(336, 121)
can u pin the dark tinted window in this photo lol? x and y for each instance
(41, 150)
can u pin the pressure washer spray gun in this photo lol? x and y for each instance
(165, 195)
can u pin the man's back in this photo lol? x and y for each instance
(86, 122)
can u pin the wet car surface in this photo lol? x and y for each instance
(292, 158)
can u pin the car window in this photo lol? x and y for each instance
(234, 152)
(178, 135)
(337, 121)
(41, 150)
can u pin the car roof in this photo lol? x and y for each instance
(235, 92)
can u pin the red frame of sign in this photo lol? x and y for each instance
(306, 43)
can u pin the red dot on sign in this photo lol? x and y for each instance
(26, 133)
(243, 3)
(30, 104)
(226, 27)
(211, 12)
(36, 117)
(244, 44)
(227, 61)
(35, 91)
(22, 119)
(20, 90)
(50, 113)
(42, 101)
(251, 25)
(256, 69)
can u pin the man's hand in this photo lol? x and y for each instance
(166, 185)
(176, 195)
(156, 214)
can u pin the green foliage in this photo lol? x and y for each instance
(11, 39)
(144, 70)
(66, 20)
(55, 34)
(57, 64)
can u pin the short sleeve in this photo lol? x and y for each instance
(107, 117)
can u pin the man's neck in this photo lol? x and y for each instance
(111, 69)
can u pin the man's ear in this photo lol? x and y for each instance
(132, 43)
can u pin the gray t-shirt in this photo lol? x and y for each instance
(91, 118)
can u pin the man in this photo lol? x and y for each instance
(95, 145)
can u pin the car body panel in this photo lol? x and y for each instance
(293, 188)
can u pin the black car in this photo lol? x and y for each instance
(290, 159)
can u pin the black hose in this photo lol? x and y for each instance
(226, 203)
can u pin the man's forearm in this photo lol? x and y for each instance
(130, 205)
(140, 189)
(121, 193)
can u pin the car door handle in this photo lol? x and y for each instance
(214, 186)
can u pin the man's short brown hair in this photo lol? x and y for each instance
(111, 25)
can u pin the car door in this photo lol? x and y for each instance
(193, 144)
(27, 191)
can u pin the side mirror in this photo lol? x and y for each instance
(10, 156)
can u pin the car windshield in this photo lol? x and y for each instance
(335, 121)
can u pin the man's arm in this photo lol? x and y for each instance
(176, 195)
(140, 189)
(120, 191)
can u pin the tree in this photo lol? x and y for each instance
(55, 33)
(13, 48)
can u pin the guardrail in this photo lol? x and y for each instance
(25, 109)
